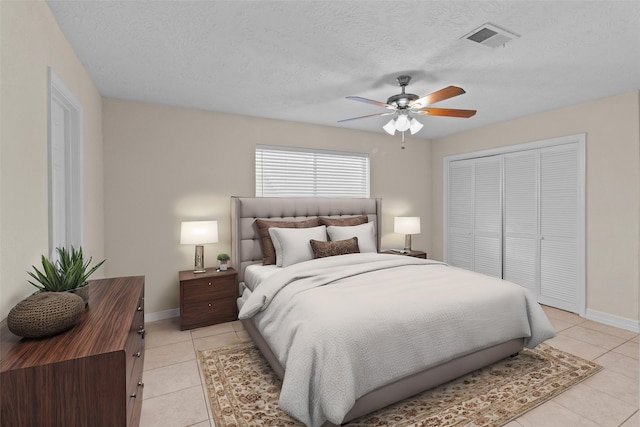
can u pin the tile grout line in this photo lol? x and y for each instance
(203, 388)
(630, 416)
(596, 345)
(171, 392)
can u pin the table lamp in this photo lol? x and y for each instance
(407, 225)
(198, 233)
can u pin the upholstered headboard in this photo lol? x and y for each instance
(245, 240)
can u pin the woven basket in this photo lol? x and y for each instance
(45, 314)
(83, 292)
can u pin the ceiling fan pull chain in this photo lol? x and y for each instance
(402, 145)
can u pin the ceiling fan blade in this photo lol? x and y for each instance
(364, 117)
(446, 112)
(437, 96)
(370, 101)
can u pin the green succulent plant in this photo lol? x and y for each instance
(69, 271)
(223, 257)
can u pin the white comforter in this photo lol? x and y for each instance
(343, 326)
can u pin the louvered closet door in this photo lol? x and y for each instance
(521, 219)
(460, 214)
(487, 230)
(559, 212)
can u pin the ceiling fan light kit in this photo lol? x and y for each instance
(390, 127)
(415, 126)
(405, 104)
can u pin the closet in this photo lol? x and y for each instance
(517, 213)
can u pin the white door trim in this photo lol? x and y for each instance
(61, 96)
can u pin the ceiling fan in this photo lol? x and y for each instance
(404, 105)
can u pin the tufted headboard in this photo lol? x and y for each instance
(245, 241)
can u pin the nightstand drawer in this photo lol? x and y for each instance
(209, 312)
(209, 288)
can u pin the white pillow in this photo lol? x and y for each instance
(366, 234)
(292, 244)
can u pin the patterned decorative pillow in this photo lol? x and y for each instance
(341, 222)
(268, 251)
(339, 247)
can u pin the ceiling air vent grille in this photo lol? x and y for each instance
(490, 35)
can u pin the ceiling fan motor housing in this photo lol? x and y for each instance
(402, 100)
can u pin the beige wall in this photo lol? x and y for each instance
(612, 132)
(32, 41)
(164, 165)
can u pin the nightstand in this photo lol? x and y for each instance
(413, 253)
(207, 298)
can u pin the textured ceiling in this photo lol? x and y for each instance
(297, 60)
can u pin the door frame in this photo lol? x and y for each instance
(61, 95)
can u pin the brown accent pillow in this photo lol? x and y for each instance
(268, 251)
(338, 247)
(344, 222)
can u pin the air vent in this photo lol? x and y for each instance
(490, 35)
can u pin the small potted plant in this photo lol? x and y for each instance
(223, 259)
(69, 273)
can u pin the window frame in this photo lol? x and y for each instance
(317, 178)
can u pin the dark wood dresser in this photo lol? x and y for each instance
(90, 375)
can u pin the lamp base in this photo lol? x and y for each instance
(199, 260)
(407, 242)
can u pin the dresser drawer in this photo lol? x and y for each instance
(134, 353)
(209, 312)
(206, 289)
(135, 387)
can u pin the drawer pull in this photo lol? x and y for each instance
(139, 308)
(140, 384)
(133, 395)
(209, 304)
(137, 354)
(209, 283)
(141, 331)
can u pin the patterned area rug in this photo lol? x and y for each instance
(243, 391)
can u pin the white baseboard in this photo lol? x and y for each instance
(611, 320)
(161, 315)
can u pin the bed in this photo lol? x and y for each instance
(321, 323)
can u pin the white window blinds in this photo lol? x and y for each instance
(294, 172)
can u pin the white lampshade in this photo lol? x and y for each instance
(406, 224)
(390, 127)
(402, 123)
(198, 232)
(415, 126)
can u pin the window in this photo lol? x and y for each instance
(295, 172)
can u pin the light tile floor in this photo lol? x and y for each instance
(175, 397)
